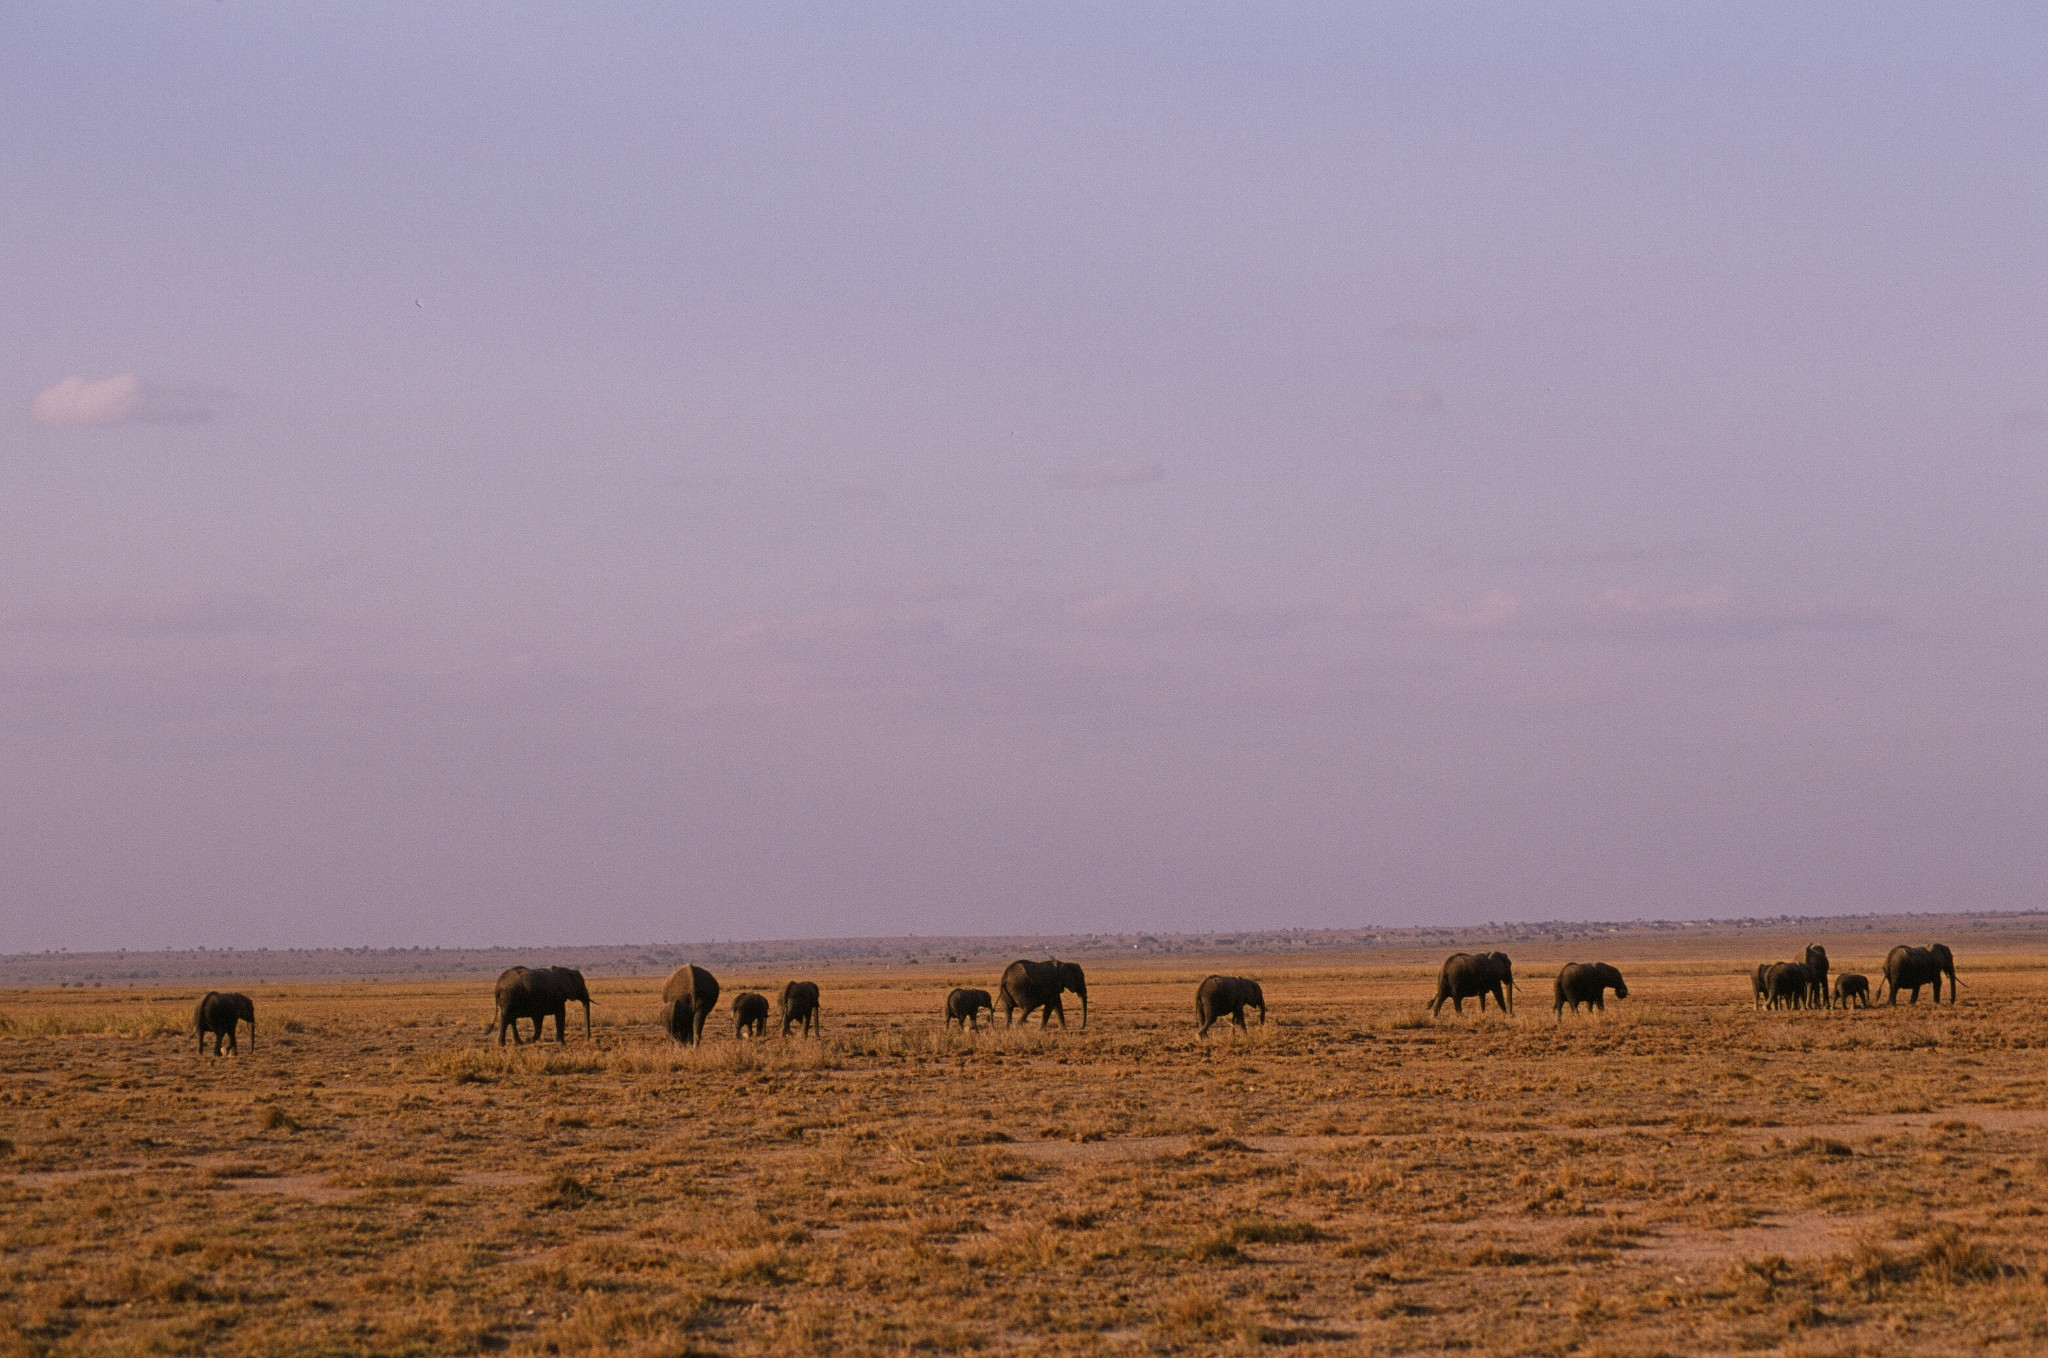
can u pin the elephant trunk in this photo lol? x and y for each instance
(1084, 1010)
(586, 1020)
(252, 1032)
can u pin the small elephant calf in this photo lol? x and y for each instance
(750, 1011)
(1852, 986)
(964, 1008)
(1587, 983)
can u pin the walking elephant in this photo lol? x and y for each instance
(1037, 985)
(1852, 986)
(964, 1008)
(537, 993)
(800, 1007)
(1220, 995)
(687, 999)
(1788, 985)
(1587, 983)
(218, 1014)
(750, 1010)
(1910, 968)
(1817, 976)
(1465, 975)
(1758, 992)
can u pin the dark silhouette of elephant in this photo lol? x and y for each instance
(750, 1010)
(964, 1007)
(1910, 968)
(1817, 976)
(1037, 985)
(1757, 990)
(800, 1007)
(218, 1014)
(687, 999)
(1852, 985)
(538, 993)
(1232, 995)
(1788, 985)
(1587, 983)
(1466, 974)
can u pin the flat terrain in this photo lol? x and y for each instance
(1681, 1175)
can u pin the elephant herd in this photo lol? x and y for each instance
(690, 995)
(1466, 976)
(1804, 984)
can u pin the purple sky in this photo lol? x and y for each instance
(528, 473)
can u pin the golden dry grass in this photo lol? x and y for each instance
(1680, 1176)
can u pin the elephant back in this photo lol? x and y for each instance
(692, 985)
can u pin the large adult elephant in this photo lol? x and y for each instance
(1466, 974)
(1817, 977)
(1587, 983)
(1037, 985)
(800, 1007)
(1910, 968)
(1788, 985)
(686, 1001)
(218, 1014)
(539, 993)
(1232, 995)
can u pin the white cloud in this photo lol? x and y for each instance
(1497, 609)
(79, 403)
(1115, 471)
(75, 402)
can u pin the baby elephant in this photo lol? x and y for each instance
(800, 1007)
(1588, 983)
(1852, 986)
(964, 1008)
(1220, 995)
(750, 1011)
(218, 1014)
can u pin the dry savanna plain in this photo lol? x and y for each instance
(1683, 1174)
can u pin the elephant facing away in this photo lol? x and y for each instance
(1465, 975)
(800, 1007)
(750, 1011)
(1220, 995)
(1852, 986)
(218, 1014)
(1037, 985)
(538, 993)
(1758, 991)
(1910, 968)
(964, 1007)
(687, 999)
(1587, 983)
(1788, 985)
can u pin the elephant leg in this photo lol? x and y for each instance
(1237, 1017)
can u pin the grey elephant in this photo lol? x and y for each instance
(218, 1014)
(1817, 976)
(1466, 974)
(750, 1010)
(1587, 983)
(687, 999)
(964, 1007)
(1758, 985)
(539, 993)
(800, 1007)
(1788, 985)
(1037, 985)
(1910, 968)
(1850, 986)
(1232, 995)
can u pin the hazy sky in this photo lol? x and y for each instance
(550, 473)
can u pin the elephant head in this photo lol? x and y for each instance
(1614, 979)
(569, 989)
(1072, 979)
